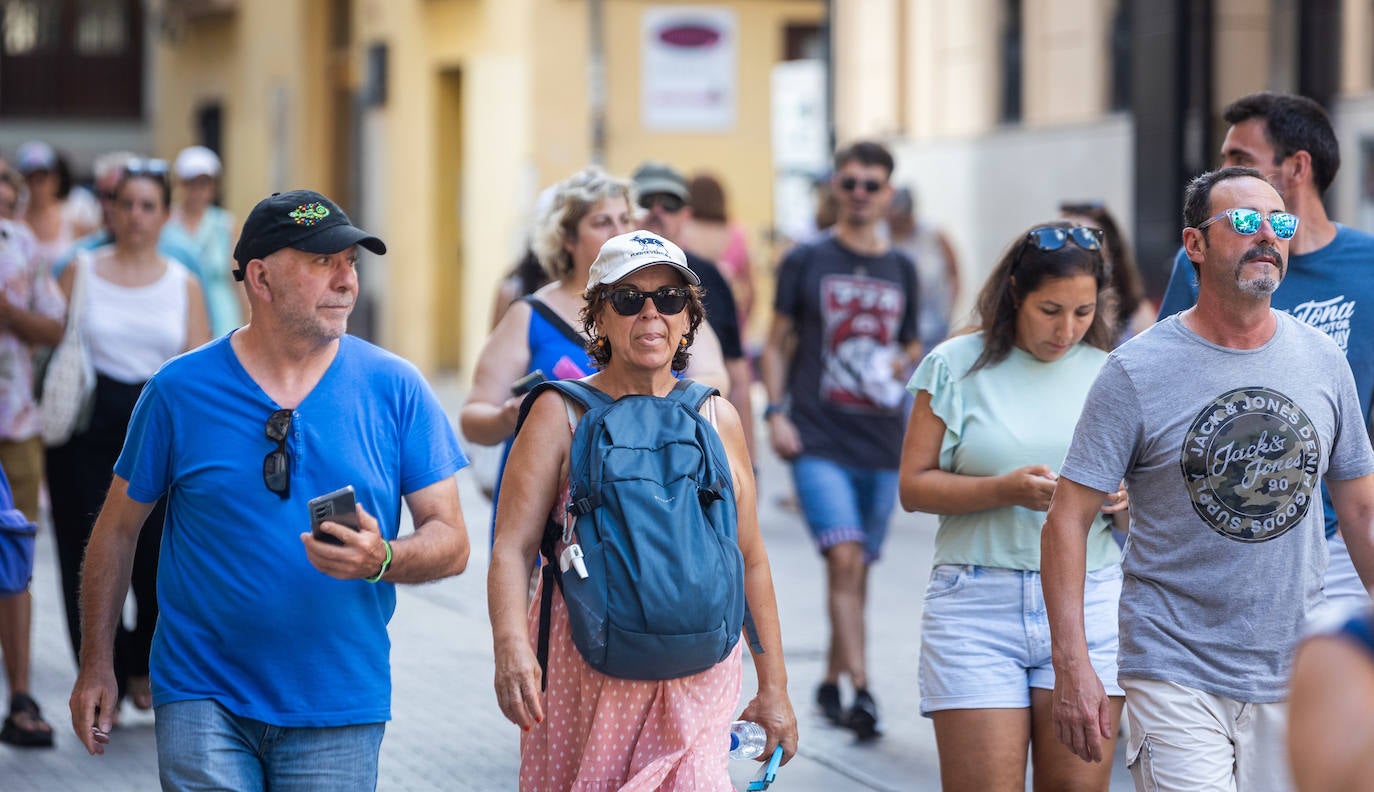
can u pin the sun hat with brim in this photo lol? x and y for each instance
(629, 253)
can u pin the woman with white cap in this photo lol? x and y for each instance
(592, 730)
(210, 230)
(541, 333)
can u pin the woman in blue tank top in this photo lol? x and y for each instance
(539, 333)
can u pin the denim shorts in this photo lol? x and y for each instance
(985, 638)
(845, 503)
(202, 745)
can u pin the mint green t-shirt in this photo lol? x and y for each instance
(1019, 412)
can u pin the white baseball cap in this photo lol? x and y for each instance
(196, 161)
(627, 253)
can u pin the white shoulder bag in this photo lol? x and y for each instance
(69, 380)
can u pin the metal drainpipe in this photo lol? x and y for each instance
(596, 81)
(828, 56)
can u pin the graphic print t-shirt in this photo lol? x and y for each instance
(1222, 451)
(852, 315)
(1331, 289)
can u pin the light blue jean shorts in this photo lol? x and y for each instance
(985, 638)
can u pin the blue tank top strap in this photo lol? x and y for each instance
(551, 339)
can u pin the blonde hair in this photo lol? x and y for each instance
(573, 199)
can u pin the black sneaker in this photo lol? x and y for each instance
(828, 699)
(862, 717)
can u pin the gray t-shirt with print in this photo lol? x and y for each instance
(1221, 450)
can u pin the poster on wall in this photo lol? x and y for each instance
(687, 73)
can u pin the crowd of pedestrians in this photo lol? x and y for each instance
(1139, 520)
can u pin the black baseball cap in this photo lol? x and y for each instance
(300, 219)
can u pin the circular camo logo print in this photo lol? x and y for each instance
(1250, 461)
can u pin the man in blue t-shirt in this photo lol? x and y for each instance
(271, 655)
(841, 344)
(1330, 278)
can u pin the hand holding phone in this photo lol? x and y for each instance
(526, 383)
(338, 506)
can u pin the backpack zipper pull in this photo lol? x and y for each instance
(572, 557)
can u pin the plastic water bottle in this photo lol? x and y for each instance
(746, 740)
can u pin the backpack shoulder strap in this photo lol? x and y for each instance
(584, 395)
(692, 393)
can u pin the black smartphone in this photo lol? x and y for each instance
(339, 507)
(526, 383)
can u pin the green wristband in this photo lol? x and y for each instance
(385, 564)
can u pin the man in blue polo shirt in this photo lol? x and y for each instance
(1330, 279)
(270, 667)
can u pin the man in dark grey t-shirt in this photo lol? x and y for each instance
(841, 344)
(1222, 420)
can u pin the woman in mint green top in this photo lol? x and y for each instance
(992, 420)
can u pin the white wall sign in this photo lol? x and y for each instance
(688, 69)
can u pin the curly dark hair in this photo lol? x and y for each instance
(1019, 272)
(600, 350)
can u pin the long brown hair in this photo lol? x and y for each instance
(1128, 290)
(1021, 270)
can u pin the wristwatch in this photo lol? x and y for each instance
(771, 410)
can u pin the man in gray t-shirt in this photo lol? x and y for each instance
(1222, 420)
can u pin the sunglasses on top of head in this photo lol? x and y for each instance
(849, 184)
(1051, 238)
(669, 300)
(1247, 222)
(146, 167)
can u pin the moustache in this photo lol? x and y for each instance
(1263, 251)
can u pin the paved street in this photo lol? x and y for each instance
(447, 732)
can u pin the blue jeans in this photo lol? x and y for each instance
(845, 503)
(202, 746)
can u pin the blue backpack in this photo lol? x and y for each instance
(17, 534)
(654, 581)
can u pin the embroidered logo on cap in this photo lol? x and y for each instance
(309, 214)
(646, 241)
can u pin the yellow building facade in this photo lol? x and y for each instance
(436, 123)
